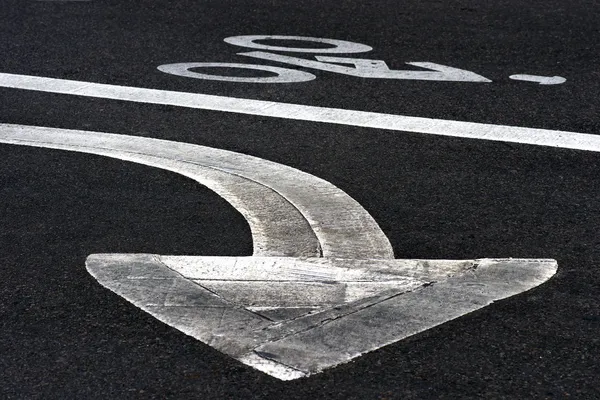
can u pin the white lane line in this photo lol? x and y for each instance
(283, 205)
(542, 80)
(470, 130)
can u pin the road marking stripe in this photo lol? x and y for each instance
(324, 310)
(469, 130)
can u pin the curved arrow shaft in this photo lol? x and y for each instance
(290, 213)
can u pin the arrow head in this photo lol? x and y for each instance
(292, 317)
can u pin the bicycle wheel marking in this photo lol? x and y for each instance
(339, 46)
(283, 75)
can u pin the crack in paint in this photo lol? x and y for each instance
(340, 311)
(269, 357)
(233, 305)
(350, 309)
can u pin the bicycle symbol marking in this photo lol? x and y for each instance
(357, 67)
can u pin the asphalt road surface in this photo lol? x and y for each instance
(63, 335)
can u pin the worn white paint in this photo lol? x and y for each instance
(283, 75)
(290, 212)
(542, 80)
(363, 68)
(403, 123)
(286, 311)
(292, 329)
(376, 69)
(339, 46)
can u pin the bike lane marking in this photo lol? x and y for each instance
(339, 46)
(442, 127)
(283, 75)
(367, 68)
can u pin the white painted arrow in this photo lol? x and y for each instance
(322, 286)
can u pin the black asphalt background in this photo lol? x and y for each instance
(64, 336)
